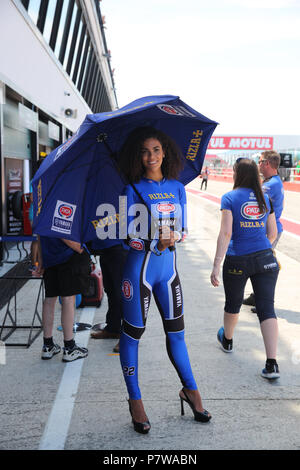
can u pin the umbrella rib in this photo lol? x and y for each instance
(61, 173)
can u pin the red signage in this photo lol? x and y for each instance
(251, 210)
(165, 208)
(241, 143)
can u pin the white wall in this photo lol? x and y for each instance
(29, 66)
(90, 9)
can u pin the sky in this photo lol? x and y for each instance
(235, 61)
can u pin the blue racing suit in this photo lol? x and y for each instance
(147, 270)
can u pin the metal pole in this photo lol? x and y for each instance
(2, 176)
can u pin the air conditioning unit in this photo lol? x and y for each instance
(71, 113)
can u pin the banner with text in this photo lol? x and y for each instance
(240, 143)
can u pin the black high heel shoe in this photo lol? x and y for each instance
(202, 416)
(142, 428)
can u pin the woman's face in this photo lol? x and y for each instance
(152, 155)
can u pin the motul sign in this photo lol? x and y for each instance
(241, 143)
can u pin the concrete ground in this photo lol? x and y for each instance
(52, 405)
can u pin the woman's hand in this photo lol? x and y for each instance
(166, 238)
(214, 277)
(76, 246)
(38, 270)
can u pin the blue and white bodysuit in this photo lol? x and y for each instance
(147, 270)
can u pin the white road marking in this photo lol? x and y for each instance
(57, 427)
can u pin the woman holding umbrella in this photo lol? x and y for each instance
(151, 162)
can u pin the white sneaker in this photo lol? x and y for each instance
(77, 352)
(48, 353)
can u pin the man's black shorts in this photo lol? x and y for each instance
(69, 278)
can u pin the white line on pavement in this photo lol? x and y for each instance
(56, 430)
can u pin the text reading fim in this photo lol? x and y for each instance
(194, 145)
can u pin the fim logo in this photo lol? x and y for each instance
(2, 353)
(63, 217)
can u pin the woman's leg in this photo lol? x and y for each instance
(133, 326)
(269, 329)
(168, 297)
(234, 280)
(230, 321)
(264, 289)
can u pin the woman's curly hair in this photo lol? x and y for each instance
(130, 159)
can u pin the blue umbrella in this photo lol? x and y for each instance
(78, 177)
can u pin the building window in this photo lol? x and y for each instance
(49, 20)
(87, 73)
(83, 63)
(62, 20)
(66, 33)
(42, 15)
(55, 25)
(73, 35)
(64, 28)
(69, 36)
(25, 4)
(33, 10)
(77, 50)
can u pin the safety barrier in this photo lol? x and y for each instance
(11, 321)
(290, 177)
(10, 284)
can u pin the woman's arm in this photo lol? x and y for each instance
(76, 246)
(222, 245)
(271, 227)
(37, 258)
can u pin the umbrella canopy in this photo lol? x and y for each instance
(80, 178)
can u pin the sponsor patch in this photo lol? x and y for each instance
(137, 244)
(167, 108)
(128, 371)
(236, 272)
(165, 207)
(63, 217)
(175, 110)
(127, 289)
(270, 266)
(251, 211)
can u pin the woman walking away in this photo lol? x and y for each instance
(248, 229)
(151, 162)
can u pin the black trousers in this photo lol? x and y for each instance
(112, 261)
(204, 182)
(262, 268)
